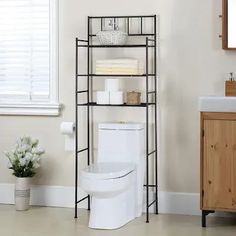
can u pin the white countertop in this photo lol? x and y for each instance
(217, 104)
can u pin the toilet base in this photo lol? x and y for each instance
(114, 212)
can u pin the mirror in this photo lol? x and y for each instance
(229, 24)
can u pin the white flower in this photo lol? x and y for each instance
(38, 151)
(36, 165)
(34, 142)
(26, 147)
(23, 161)
(25, 140)
(28, 156)
(35, 158)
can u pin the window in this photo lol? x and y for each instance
(28, 57)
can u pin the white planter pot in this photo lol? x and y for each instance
(22, 193)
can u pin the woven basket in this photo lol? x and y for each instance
(114, 37)
(133, 98)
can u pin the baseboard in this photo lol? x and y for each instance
(179, 203)
(54, 196)
(175, 203)
(61, 196)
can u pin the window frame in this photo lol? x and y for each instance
(53, 107)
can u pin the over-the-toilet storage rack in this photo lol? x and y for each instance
(149, 42)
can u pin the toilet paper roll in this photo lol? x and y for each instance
(116, 98)
(112, 85)
(102, 97)
(67, 128)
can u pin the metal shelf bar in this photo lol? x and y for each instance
(82, 150)
(150, 185)
(147, 135)
(118, 105)
(114, 75)
(149, 154)
(152, 203)
(76, 132)
(104, 17)
(82, 199)
(82, 91)
(155, 108)
(152, 92)
(82, 40)
(132, 35)
(117, 46)
(88, 99)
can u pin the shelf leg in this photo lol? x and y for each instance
(147, 137)
(76, 132)
(89, 202)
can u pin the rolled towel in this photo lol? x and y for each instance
(112, 85)
(103, 97)
(116, 98)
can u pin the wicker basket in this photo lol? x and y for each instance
(133, 98)
(114, 37)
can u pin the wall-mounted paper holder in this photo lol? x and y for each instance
(68, 130)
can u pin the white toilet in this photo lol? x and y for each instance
(115, 181)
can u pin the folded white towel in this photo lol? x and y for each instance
(119, 72)
(118, 61)
(117, 66)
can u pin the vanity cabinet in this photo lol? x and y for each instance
(218, 163)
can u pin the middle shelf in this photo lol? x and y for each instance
(115, 75)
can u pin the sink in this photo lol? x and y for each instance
(217, 104)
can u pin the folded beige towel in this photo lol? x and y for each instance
(119, 71)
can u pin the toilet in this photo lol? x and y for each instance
(115, 181)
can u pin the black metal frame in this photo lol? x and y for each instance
(150, 43)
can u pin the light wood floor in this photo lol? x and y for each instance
(44, 221)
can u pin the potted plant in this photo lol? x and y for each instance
(24, 160)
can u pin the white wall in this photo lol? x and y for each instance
(191, 64)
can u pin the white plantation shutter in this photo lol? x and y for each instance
(25, 51)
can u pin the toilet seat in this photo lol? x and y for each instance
(106, 171)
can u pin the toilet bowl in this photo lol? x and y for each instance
(112, 190)
(115, 181)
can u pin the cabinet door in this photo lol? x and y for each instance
(218, 163)
(234, 169)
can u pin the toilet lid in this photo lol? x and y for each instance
(107, 170)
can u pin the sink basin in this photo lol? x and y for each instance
(217, 104)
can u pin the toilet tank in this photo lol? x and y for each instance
(121, 142)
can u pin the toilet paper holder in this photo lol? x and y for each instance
(68, 130)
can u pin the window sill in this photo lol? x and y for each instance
(31, 109)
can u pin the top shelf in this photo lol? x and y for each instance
(126, 17)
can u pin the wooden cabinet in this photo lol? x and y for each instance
(218, 163)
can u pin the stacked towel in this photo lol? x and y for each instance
(119, 66)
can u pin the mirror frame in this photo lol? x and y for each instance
(225, 26)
